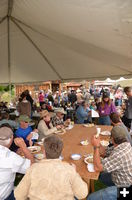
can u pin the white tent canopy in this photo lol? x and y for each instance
(44, 40)
(124, 83)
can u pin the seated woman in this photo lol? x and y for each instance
(83, 113)
(45, 126)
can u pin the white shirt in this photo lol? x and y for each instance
(10, 164)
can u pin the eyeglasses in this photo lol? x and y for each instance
(26, 122)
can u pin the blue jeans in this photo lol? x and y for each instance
(11, 196)
(104, 120)
(106, 179)
(109, 193)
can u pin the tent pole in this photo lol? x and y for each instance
(9, 55)
(9, 11)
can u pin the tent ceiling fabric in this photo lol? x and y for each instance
(65, 40)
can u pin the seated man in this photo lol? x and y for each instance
(24, 130)
(51, 178)
(11, 163)
(83, 113)
(5, 120)
(116, 121)
(58, 118)
(119, 164)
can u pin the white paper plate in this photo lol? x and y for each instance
(40, 143)
(84, 142)
(86, 160)
(35, 136)
(75, 156)
(88, 125)
(39, 156)
(105, 133)
(34, 149)
(69, 127)
(60, 132)
(104, 143)
(90, 167)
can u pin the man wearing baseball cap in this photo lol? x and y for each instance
(118, 164)
(24, 130)
(11, 163)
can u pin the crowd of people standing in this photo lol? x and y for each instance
(16, 136)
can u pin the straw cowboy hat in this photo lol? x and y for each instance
(44, 113)
(60, 110)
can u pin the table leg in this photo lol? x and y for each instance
(92, 189)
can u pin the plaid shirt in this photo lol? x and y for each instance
(119, 164)
(56, 121)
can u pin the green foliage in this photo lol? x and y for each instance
(6, 88)
(5, 93)
(98, 185)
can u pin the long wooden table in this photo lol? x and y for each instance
(72, 139)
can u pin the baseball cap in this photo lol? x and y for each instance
(24, 118)
(106, 95)
(5, 133)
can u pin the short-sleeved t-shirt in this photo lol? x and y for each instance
(23, 133)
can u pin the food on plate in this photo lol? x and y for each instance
(89, 159)
(34, 149)
(60, 132)
(88, 125)
(69, 127)
(84, 142)
(105, 133)
(104, 143)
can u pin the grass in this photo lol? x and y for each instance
(98, 185)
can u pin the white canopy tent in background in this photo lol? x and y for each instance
(124, 83)
(64, 40)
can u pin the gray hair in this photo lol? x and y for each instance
(5, 142)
